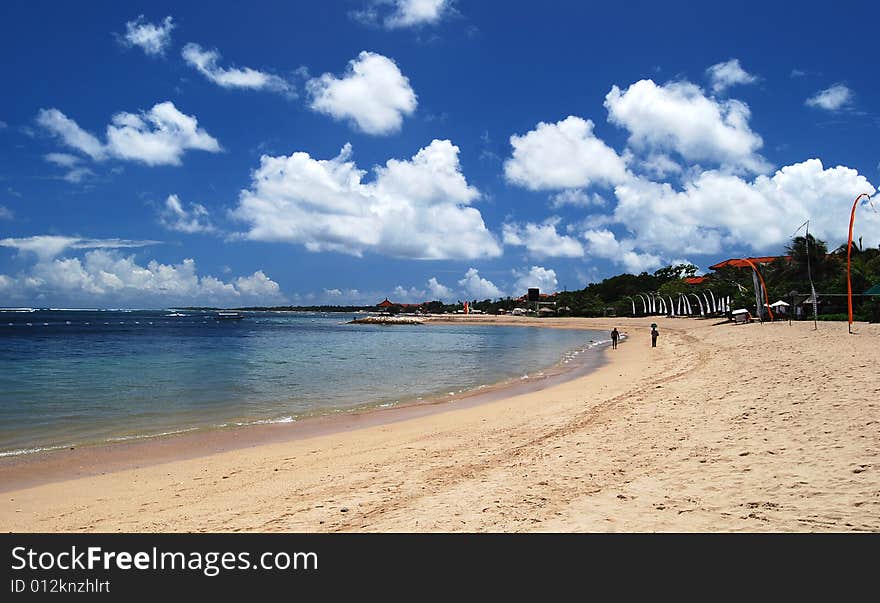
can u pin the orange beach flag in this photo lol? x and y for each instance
(852, 219)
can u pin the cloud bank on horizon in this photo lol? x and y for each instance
(681, 171)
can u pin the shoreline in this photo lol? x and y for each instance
(721, 428)
(48, 465)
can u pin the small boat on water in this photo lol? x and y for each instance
(229, 316)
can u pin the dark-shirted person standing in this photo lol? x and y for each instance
(654, 335)
(614, 337)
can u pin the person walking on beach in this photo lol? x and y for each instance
(654, 335)
(614, 337)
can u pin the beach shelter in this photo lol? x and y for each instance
(780, 306)
(740, 316)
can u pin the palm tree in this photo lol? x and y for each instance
(808, 253)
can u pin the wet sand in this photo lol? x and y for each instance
(720, 428)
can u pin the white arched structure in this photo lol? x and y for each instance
(700, 302)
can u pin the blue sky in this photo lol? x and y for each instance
(162, 154)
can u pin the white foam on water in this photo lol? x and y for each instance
(259, 422)
(21, 451)
(151, 435)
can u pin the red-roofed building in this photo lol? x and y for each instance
(742, 263)
(696, 280)
(387, 304)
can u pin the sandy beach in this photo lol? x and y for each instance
(720, 428)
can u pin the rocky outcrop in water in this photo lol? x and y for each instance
(386, 320)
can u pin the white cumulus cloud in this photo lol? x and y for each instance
(159, 136)
(659, 165)
(604, 244)
(476, 287)
(729, 73)
(373, 94)
(71, 135)
(205, 62)
(258, 286)
(152, 38)
(175, 216)
(562, 155)
(439, 291)
(834, 98)
(679, 117)
(409, 13)
(398, 14)
(576, 198)
(717, 210)
(416, 208)
(537, 276)
(105, 277)
(412, 295)
(542, 240)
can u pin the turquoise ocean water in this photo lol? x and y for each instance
(86, 376)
